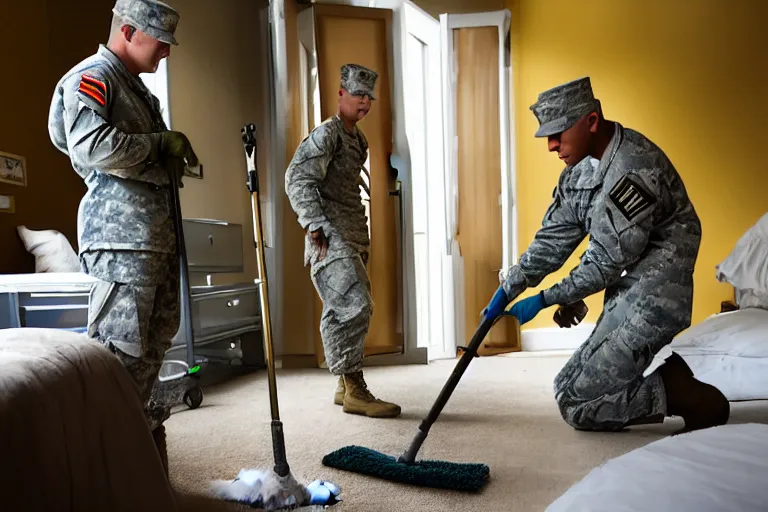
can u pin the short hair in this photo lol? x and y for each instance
(117, 23)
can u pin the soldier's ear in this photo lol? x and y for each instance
(593, 120)
(128, 32)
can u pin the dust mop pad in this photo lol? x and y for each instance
(425, 473)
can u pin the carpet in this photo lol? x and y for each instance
(502, 413)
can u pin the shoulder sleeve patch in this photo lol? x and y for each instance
(630, 197)
(93, 89)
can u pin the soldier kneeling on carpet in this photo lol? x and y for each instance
(619, 188)
(323, 182)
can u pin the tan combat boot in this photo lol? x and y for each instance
(358, 400)
(341, 389)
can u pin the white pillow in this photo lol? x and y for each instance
(746, 267)
(51, 249)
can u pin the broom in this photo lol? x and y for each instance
(425, 473)
(277, 488)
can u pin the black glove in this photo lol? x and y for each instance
(176, 144)
(571, 314)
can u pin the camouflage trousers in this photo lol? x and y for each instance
(602, 386)
(134, 311)
(345, 290)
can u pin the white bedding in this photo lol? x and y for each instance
(729, 351)
(723, 469)
(72, 430)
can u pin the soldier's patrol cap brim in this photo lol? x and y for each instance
(556, 126)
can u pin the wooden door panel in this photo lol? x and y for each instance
(359, 35)
(479, 180)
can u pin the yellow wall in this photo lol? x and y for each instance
(692, 80)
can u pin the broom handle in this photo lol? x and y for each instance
(410, 454)
(278, 439)
(186, 302)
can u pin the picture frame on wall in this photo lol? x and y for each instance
(13, 169)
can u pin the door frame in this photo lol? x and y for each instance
(400, 159)
(507, 172)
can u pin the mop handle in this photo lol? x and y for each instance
(278, 440)
(186, 302)
(410, 454)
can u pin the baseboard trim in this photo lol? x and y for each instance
(554, 338)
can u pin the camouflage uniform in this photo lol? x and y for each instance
(644, 241)
(109, 124)
(323, 183)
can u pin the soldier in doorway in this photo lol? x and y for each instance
(323, 183)
(619, 188)
(110, 125)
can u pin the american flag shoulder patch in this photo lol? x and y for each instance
(630, 197)
(94, 89)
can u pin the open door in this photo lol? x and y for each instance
(345, 34)
(423, 95)
(479, 169)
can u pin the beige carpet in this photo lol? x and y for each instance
(502, 413)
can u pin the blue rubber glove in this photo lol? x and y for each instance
(497, 305)
(525, 310)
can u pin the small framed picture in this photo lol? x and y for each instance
(13, 169)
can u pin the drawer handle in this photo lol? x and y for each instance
(233, 302)
(210, 239)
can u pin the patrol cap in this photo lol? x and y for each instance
(358, 80)
(154, 18)
(559, 108)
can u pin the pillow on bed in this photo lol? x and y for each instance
(51, 249)
(746, 267)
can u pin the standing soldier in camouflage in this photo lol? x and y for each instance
(110, 125)
(620, 189)
(323, 186)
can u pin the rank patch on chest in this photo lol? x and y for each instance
(94, 89)
(630, 197)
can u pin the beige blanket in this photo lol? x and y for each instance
(72, 432)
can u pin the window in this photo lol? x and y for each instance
(157, 83)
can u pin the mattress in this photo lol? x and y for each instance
(727, 350)
(46, 281)
(72, 429)
(721, 469)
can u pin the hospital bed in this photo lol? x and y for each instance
(226, 318)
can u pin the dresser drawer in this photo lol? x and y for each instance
(224, 308)
(213, 246)
(65, 316)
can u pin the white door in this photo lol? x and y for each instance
(424, 129)
(455, 266)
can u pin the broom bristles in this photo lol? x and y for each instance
(426, 473)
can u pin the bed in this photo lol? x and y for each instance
(72, 428)
(730, 349)
(721, 469)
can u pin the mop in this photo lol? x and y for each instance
(277, 488)
(426, 473)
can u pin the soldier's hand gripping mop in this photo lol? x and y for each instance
(426, 473)
(277, 488)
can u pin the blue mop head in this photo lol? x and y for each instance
(268, 490)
